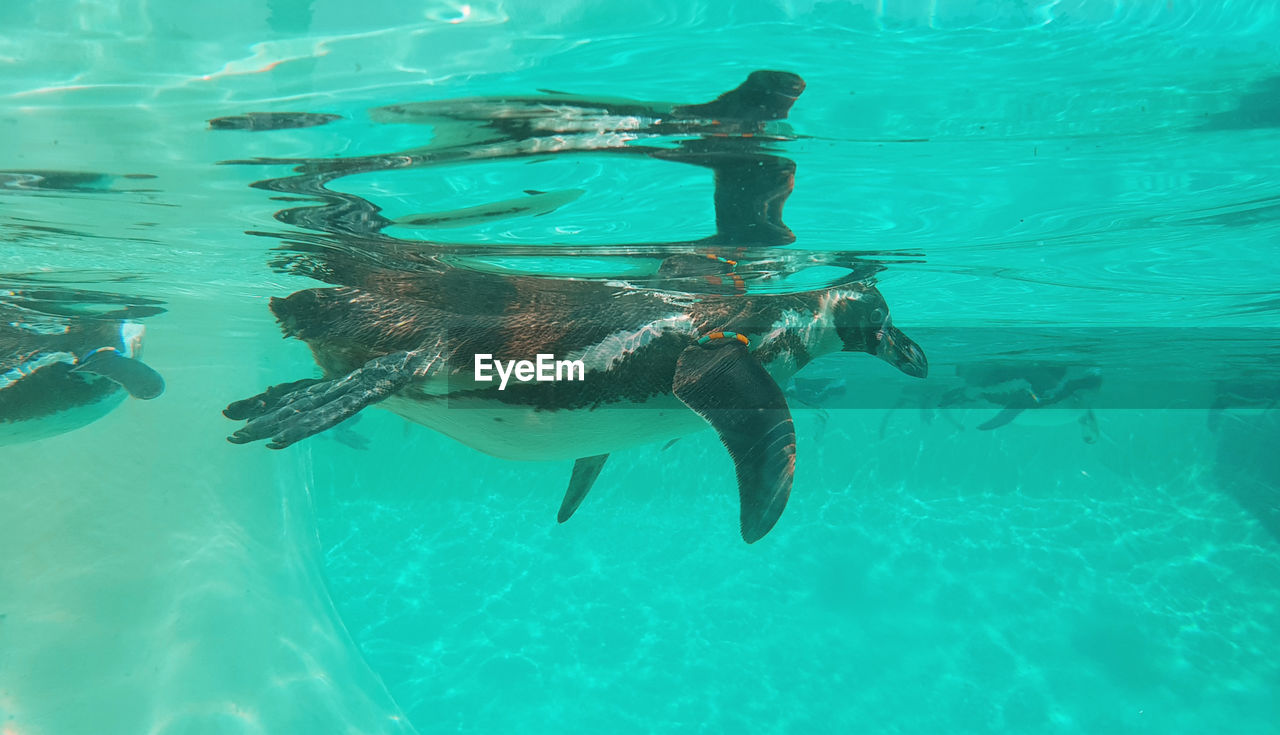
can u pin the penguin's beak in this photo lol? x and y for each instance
(902, 352)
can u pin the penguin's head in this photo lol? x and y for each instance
(863, 325)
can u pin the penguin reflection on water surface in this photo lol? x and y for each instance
(728, 135)
(67, 357)
(658, 364)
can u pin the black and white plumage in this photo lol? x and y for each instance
(647, 377)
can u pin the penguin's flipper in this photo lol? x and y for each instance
(585, 472)
(765, 95)
(132, 375)
(724, 384)
(1006, 415)
(298, 414)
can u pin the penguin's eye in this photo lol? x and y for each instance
(878, 315)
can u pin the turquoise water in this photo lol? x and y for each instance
(1087, 183)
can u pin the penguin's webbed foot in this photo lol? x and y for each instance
(291, 412)
(266, 401)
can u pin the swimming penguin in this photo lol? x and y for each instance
(654, 364)
(1020, 387)
(62, 367)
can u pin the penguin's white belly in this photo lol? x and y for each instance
(59, 421)
(512, 432)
